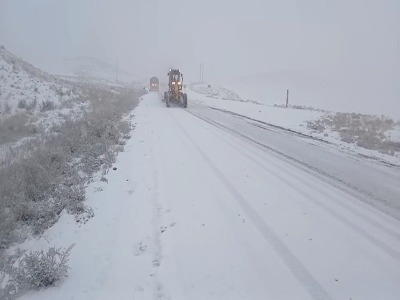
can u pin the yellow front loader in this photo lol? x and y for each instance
(175, 89)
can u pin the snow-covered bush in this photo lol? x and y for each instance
(22, 103)
(362, 130)
(33, 270)
(39, 269)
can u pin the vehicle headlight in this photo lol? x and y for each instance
(179, 82)
(173, 82)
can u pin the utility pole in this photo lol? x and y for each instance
(116, 69)
(201, 73)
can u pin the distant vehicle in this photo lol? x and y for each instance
(154, 84)
(175, 93)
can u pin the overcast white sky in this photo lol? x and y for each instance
(351, 42)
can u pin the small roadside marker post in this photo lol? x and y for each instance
(287, 98)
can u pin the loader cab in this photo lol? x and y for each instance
(175, 79)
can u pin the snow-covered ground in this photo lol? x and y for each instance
(295, 118)
(202, 206)
(394, 134)
(233, 198)
(319, 92)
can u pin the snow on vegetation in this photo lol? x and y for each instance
(369, 132)
(215, 92)
(25, 88)
(50, 150)
(32, 101)
(34, 270)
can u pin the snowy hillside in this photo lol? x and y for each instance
(26, 88)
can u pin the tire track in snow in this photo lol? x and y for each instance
(157, 255)
(319, 175)
(152, 288)
(353, 226)
(313, 287)
(158, 288)
(361, 194)
(359, 229)
(276, 128)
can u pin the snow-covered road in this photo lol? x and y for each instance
(370, 180)
(208, 205)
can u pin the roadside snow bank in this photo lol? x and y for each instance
(290, 118)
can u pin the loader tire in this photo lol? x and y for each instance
(184, 102)
(167, 101)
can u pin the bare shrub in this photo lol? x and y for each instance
(390, 147)
(67, 104)
(7, 108)
(32, 105)
(13, 128)
(6, 228)
(47, 105)
(61, 90)
(22, 104)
